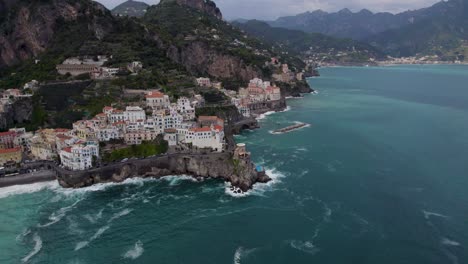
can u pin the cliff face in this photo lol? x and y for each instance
(206, 6)
(199, 58)
(29, 27)
(240, 173)
(18, 112)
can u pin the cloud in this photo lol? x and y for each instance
(271, 9)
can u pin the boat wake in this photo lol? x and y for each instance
(428, 214)
(135, 252)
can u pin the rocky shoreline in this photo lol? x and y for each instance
(241, 173)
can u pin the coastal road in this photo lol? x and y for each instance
(33, 177)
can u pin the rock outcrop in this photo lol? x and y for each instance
(240, 173)
(18, 112)
(28, 27)
(206, 6)
(199, 58)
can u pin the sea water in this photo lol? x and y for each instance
(379, 176)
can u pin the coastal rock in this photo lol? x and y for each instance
(240, 173)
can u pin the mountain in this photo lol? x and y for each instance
(174, 38)
(28, 28)
(313, 46)
(131, 8)
(440, 29)
(443, 33)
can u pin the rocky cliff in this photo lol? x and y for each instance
(200, 59)
(28, 27)
(18, 112)
(206, 6)
(240, 173)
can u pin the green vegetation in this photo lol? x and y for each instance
(146, 149)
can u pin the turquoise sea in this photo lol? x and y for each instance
(379, 176)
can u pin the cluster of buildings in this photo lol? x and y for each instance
(94, 67)
(206, 82)
(257, 92)
(78, 148)
(283, 73)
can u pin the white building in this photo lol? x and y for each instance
(204, 82)
(134, 114)
(157, 100)
(185, 108)
(79, 156)
(206, 137)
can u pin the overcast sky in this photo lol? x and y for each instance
(271, 9)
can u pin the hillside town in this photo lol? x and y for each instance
(83, 146)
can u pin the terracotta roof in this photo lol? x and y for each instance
(67, 149)
(170, 130)
(219, 128)
(154, 94)
(108, 108)
(63, 137)
(11, 150)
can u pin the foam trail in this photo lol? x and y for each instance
(447, 242)
(28, 188)
(96, 235)
(58, 215)
(37, 247)
(304, 246)
(428, 214)
(120, 214)
(135, 252)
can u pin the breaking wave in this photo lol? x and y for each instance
(37, 247)
(265, 115)
(27, 188)
(258, 189)
(135, 252)
(176, 180)
(242, 253)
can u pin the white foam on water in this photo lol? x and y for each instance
(304, 246)
(448, 242)
(124, 212)
(104, 186)
(27, 188)
(428, 214)
(94, 218)
(59, 214)
(242, 253)
(37, 247)
(96, 235)
(135, 252)
(259, 189)
(176, 180)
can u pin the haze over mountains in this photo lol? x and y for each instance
(441, 28)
